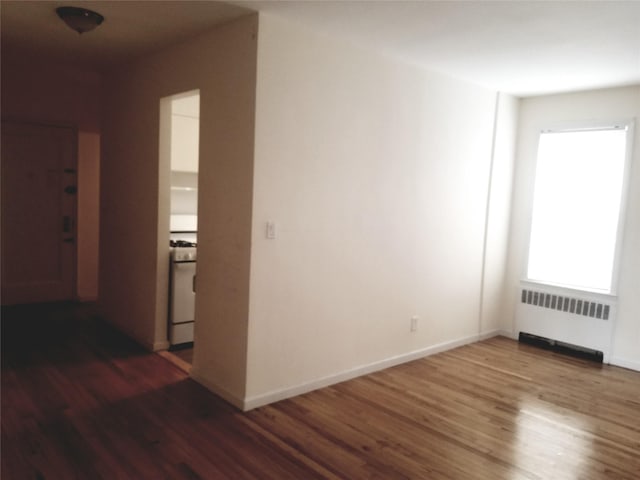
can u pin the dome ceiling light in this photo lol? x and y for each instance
(80, 19)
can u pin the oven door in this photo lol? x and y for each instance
(183, 301)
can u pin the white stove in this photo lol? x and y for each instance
(182, 292)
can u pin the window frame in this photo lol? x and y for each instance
(629, 125)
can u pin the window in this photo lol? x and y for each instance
(577, 202)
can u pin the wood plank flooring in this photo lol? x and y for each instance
(80, 401)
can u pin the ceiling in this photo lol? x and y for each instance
(520, 47)
(130, 29)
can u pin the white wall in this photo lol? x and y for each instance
(497, 233)
(40, 92)
(376, 174)
(541, 112)
(135, 197)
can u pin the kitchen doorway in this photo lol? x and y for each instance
(183, 111)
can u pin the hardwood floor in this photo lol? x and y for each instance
(81, 401)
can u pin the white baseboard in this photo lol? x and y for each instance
(508, 334)
(163, 345)
(144, 343)
(221, 392)
(288, 392)
(625, 363)
(147, 345)
(494, 333)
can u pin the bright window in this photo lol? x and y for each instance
(576, 208)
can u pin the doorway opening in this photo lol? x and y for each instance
(180, 126)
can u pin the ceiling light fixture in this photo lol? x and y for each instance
(79, 19)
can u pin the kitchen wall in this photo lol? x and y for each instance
(537, 113)
(376, 175)
(40, 92)
(135, 197)
(184, 151)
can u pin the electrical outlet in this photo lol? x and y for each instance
(414, 324)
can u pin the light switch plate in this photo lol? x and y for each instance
(271, 230)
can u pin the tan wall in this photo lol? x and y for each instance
(54, 94)
(135, 198)
(376, 174)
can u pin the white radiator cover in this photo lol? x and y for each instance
(580, 318)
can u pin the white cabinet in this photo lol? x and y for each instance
(185, 124)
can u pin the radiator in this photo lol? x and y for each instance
(577, 318)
